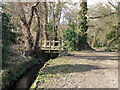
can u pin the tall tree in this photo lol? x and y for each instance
(118, 26)
(56, 18)
(38, 30)
(27, 26)
(82, 26)
(21, 12)
(45, 20)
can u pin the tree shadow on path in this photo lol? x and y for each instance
(95, 57)
(68, 68)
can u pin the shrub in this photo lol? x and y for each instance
(7, 35)
(70, 36)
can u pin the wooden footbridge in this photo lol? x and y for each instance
(52, 46)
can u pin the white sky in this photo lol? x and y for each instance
(91, 2)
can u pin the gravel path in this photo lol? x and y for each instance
(82, 70)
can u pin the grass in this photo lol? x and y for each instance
(63, 75)
(32, 86)
(14, 60)
(48, 73)
(109, 50)
(42, 73)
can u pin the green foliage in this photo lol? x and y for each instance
(109, 50)
(110, 35)
(97, 45)
(77, 40)
(7, 35)
(82, 27)
(112, 38)
(58, 7)
(70, 36)
(50, 28)
(42, 73)
(42, 80)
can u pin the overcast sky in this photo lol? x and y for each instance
(92, 2)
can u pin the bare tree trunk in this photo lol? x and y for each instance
(45, 21)
(118, 30)
(28, 39)
(95, 38)
(26, 26)
(58, 23)
(38, 31)
(54, 35)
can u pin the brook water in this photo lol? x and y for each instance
(27, 79)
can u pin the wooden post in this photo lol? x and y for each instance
(45, 44)
(40, 43)
(53, 44)
(49, 46)
(59, 45)
(62, 44)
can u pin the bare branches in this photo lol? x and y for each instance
(111, 4)
(102, 16)
(32, 13)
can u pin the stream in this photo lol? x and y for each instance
(28, 78)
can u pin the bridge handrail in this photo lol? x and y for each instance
(60, 44)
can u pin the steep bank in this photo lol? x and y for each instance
(18, 64)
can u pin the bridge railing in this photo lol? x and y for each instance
(51, 45)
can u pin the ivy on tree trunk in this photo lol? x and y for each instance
(82, 27)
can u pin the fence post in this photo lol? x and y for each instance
(49, 45)
(53, 44)
(62, 44)
(59, 45)
(40, 43)
(45, 44)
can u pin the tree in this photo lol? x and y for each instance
(82, 27)
(113, 37)
(56, 9)
(45, 20)
(69, 35)
(22, 12)
(102, 23)
(7, 35)
(119, 26)
(38, 30)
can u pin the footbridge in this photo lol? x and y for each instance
(52, 46)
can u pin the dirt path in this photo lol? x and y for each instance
(81, 70)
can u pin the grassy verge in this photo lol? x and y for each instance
(48, 71)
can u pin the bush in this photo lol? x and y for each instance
(7, 35)
(70, 36)
(112, 38)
